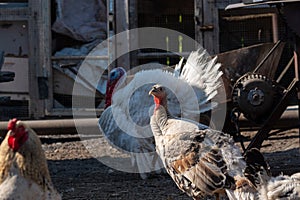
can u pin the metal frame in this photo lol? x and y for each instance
(292, 90)
(37, 14)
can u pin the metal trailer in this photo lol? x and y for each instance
(251, 91)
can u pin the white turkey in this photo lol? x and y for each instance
(125, 121)
(201, 161)
(282, 187)
(24, 173)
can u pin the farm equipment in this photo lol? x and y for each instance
(260, 98)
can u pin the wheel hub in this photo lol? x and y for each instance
(255, 95)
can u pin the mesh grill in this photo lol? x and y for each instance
(175, 15)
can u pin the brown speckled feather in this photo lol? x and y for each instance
(200, 160)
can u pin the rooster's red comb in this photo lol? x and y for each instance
(12, 124)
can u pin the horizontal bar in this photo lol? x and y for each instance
(246, 17)
(79, 58)
(69, 112)
(67, 126)
(244, 5)
(57, 126)
(14, 14)
(290, 116)
(161, 55)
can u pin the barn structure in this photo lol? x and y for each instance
(45, 42)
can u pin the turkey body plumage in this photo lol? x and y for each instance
(200, 160)
(125, 123)
(141, 149)
(282, 187)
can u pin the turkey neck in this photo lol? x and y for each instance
(162, 101)
(161, 112)
(108, 95)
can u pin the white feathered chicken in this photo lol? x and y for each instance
(281, 187)
(126, 121)
(269, 187)
(24, 173)
(201, 161)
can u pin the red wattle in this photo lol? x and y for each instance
(13, 144)
(19, 137)
(157, 101)
(109, 92)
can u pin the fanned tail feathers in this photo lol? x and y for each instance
(194, 87)
(203, 73)
(180, 90)
(178, 68)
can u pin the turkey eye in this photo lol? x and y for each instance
(113, 74)
(160, 89)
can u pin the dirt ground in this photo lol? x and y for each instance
(78, 175)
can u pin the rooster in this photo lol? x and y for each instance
(24, 171)
(125, 121)
(201, 161)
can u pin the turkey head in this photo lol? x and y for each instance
(114, 79)
(160, 95)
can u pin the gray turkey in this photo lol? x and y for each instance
(125, 121)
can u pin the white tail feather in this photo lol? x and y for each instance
(178, 68)
(282, 186)
(201, 72)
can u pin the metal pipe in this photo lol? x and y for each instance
(79, 58)
(247, 17)
(90, 125)
(288, 119)
(58, 126)
(161, 55)
(285, 70)
(267, 56)
(275, 27)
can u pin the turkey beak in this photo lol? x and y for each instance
(153, 90)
